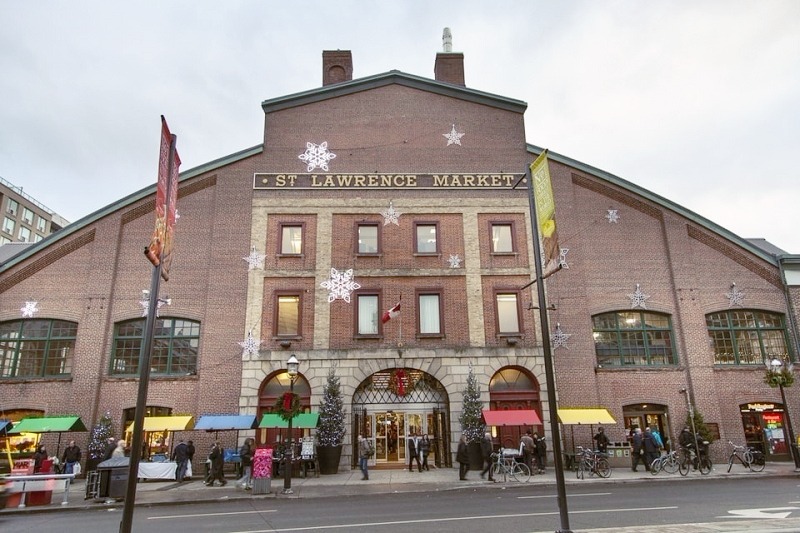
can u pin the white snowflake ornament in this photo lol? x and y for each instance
(735, 296)
(251, 345)
(145, 303)
(317, 155)
(455, 261)
(559, 339)
(29, 309)
(638, 298)
(340, 285)
(453, 137)
(612, 215)
(562, 257)
(255, 260)
(391, 216)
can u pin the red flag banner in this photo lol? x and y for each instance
(391, 313)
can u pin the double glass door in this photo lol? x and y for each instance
(392, 432)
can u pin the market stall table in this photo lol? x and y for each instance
(163, 470)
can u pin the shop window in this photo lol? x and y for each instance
(426, 241)
(429, 314)
(507, 309)
(368, 239)
(747, 337)
(37, 348)
(291, 239)
(368, 313)
(502, 237)
(633, 338)
(176, 345)
(287, 318)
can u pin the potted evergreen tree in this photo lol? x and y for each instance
(331, 429)
(98, 440)
(472, 426)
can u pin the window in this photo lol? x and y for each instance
(27, 216)
(367, 312)
(291, 240)
(12, 206)
(4, 240)
(176, 344)
(368, 239)
(426, 241)
(36, 348)
(502, 240)
(429, 314)
(507, 312)
(633, 338)
(37, 237)
(24, 234)
(8, 225)
(41, 224)
(287, 319)
(746, 337)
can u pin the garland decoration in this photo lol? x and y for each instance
(287, 406)
(779, 378)
(400, 382)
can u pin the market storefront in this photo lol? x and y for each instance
(765, 430)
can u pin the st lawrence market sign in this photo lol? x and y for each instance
(384, 181)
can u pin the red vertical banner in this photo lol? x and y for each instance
(172, 201)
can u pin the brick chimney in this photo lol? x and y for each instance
(449, 66)
(337, 66)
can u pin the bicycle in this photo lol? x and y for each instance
(669, 463)
(749, 457)
(507, 464)
(593, 462)
(689, 459)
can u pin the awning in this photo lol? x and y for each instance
(225, 422)
(512, 417)
(5, 426)
(55, 424)
(585, 416)
(166, 423)
(301, 421)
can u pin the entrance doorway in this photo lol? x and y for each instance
(652, 415)
(765, 430)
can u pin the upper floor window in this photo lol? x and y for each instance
(287, 317)
(747, 337)
(24, 234)
(176, 343)
(4, 240)
(507, 312)
(368, 239)
(12, 206)
(8, 225)
(27, 215)
(37, 237)
(502, 238)
(291, 239)
(36, 348)
(430, 313)
(41, 224)
(425, 238)
(367, 314)
(633, 338)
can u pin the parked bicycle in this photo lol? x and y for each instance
(669, 463)
(591, 462)
(690, 459)
(748, 456)
(506, 464)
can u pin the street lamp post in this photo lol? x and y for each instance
(779, 372)
(291, 368)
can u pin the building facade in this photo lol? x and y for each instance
(383, 228)
(24, 218)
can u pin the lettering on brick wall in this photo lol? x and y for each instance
(384, 181)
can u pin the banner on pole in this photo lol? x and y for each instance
(545, 208)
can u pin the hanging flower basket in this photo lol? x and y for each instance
(287, 406)
(779, 378)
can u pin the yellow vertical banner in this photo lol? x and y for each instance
(545, 207)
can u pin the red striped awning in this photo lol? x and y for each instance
(519, 417)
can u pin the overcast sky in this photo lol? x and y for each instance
(698, 101)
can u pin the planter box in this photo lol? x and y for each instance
(329, 457)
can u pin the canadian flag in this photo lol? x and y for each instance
(391, 313)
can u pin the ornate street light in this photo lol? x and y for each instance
(780, 374)
(292, 366)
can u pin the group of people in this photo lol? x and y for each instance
(418, 447)
(646, 447)
(532, 450)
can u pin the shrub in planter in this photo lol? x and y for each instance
(331, 429)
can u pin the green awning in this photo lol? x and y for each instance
(301, 421)
(55, 424)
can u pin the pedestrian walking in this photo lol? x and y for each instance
(462, 457)
(180, 456)
(486, 453)
(246, 456)
(365, 451)
(71, 457)
(541, 452)
(424, 449)
(413, 455)
(651, 448)
(638, 450)
(528, 447)
(217, 459)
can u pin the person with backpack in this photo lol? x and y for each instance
(541, 451)
(365, 451)
(528, 449)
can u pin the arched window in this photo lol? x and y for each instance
(37, 348)
(747, 337)
(175, 346)
(633, 338)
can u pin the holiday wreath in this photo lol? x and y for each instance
(287, 406)
(400, 382)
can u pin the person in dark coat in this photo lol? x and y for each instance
(541, 451)
(486, 452)
(462, 457)
(246, 455)
(651, 448)
(217, 458)
(72, 456)
(190, 451)
(111, 445)
(38, 457)
(424, 450)
(413, 455)
(181, 458)
(638, 450)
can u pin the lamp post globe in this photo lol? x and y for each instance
(292, 367)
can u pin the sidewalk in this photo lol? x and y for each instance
(348, 482)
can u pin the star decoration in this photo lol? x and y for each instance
(340, 285)
(559, 339)
(255, 260)
(251, 345)
(612, 216)
(391, 215)
(29, 309)
(638, 298)
(562, 257)
(453, 137)
(735, 297)
(317, 155)
(455, 261)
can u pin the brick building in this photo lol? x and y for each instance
(390, 189)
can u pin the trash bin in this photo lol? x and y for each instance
(113, 478)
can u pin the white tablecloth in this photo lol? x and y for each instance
(157, 470)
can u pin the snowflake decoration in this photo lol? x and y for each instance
(251, 345)
(29, 309)
(391, 215)
(638, 298)
(562, 257)
(453, 137)
(340, 285)
(559, 339)
(255, 260)
(612, 216)
(317, 155)
(145, 303)
(455, 261)
(735, 297)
